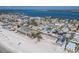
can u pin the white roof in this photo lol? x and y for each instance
(71, 45)
(77, 36)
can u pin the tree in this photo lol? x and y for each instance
(50, 21)
(28, 23)
(34, 23)
(37, 35)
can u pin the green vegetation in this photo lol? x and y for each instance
(34, 23)
(37, 35)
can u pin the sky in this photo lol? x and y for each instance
(41, 7)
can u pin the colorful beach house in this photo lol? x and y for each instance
(60, 40)
(70, 47)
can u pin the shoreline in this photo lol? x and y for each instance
(35, 28)
(27, 13)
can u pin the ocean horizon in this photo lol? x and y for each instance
(42, 11)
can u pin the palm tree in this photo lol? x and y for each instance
(37, 35)
(33, 22)
(33, 35)
(77, 48)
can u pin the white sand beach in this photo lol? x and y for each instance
(13, 42)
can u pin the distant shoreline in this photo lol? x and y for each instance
(40, 10)
(63, 14)
(57, 10)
